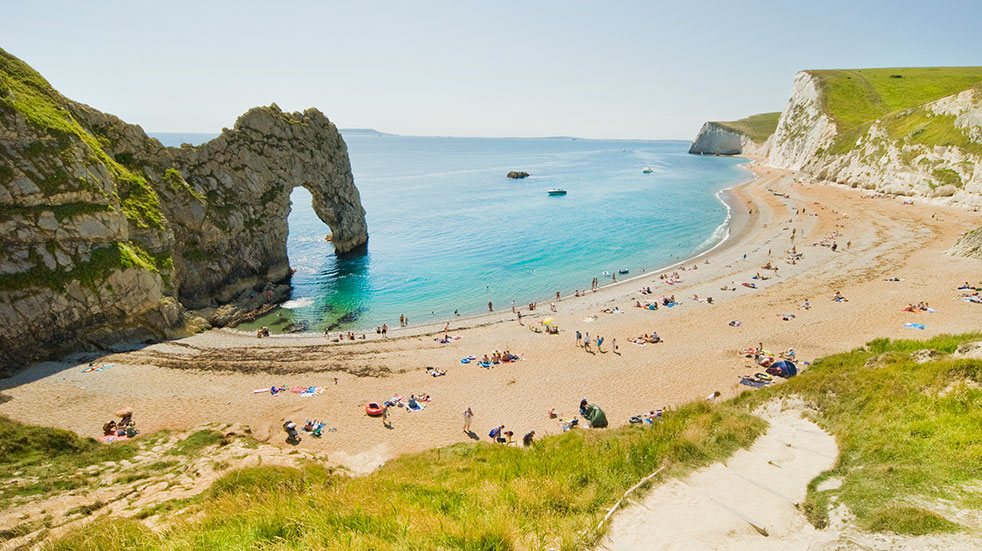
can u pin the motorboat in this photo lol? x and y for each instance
(647, 170)
(557, 191)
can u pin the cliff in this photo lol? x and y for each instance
(108, 236)
(913, 132)
(742, 137)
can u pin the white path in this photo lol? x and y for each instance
(732, 506)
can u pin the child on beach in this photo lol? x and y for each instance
(468, 415)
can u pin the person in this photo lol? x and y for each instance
(613, 344)
(712, 397)
(130, 430)
(292, 436)
(385, 330)
(583, 404)
(490, 309)
(385, 415)
(468, 415)
(519, 312)
(109, 428)
(600, 341)
(495, 434)
(335, 380)
(402, 320)
(265, 331)
(527, 439)
(508, 436)
(586, 341)
(557, 295)
(579, 338)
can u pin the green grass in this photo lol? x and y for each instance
(857, 97)
(48, 459)
(196, 442)
(909, 433)
(756, 127)
(102, 261)
(921, 127)
(467, 496)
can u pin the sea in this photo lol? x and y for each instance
(449, 232)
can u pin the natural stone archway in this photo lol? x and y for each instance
(108, 236)
(247, 174)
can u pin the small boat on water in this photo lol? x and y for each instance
(623, 271)
(557, 191)
(647, 170)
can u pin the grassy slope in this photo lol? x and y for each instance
(910, 434)
(855, 98)
(468, 496)
(46, 459)
(756, 127)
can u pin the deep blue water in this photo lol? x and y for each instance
(448, 231)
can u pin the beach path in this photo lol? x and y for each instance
(731, 506)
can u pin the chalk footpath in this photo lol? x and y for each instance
(748, 503)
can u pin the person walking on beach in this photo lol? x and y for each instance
(490, 309)
(468, 415)
(579, 338)
(385, 330)
(519, 312)
(402, 320)
(385, 416)
(586, 341)
(600, 341)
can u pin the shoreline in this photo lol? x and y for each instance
(729, 196)
(211, 377)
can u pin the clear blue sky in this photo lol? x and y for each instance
(602, 69)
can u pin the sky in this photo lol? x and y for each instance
(594, 69)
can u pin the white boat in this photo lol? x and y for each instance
(647, 170)
(557, 191)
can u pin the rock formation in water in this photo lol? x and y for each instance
(519, 174)
(108, 236)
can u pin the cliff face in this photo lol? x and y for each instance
(742, 137)
(107, 235)
(931, 150)
(713, 139)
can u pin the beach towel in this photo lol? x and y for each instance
(297, 389)
(915, 326)
(260, 390)
(110, 438)
(413, 405)
(96, 368)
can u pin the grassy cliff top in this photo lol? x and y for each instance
(853, 97)
(756, 127)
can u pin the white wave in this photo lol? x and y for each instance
(298, 303)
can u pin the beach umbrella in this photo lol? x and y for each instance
(547, 321)
(124, 412)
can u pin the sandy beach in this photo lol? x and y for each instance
(211, 377)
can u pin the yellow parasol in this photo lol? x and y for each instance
(547, 321)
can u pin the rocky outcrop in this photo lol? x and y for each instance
(518, 174)
(108, 236)
(714, 139)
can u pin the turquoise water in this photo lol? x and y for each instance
(449, 232)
